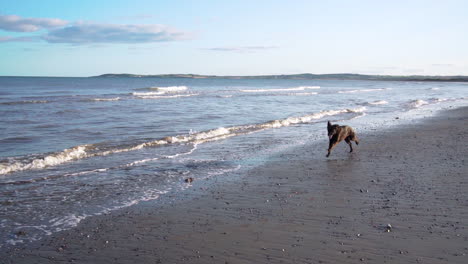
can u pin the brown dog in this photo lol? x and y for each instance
(337, 133)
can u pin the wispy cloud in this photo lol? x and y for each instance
(85, 33)
(61, 31)
(242, 49)
(19, 39)
(19, 24)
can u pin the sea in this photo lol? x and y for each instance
(73, 148)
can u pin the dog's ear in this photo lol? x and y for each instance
(329, 124)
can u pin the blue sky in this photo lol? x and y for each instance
(85, 38)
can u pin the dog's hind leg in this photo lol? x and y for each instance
(348, 140)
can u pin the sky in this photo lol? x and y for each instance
(254, 37)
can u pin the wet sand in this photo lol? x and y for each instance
(401, 197)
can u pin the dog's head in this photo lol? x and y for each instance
(332, 129)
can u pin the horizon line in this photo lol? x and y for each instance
(215, 75)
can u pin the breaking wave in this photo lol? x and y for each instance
(164, 89)
(163, 92)
(165, 96)
(169, 88)
(379, 102)
(54, 159)
(105, 99)
(417, 103)
(90, 150)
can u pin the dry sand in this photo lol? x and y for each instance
(299, 208)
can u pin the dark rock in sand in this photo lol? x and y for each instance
(189, 180)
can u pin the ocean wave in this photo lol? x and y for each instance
(160, 90)
(53, 159)
(364, 90)
(300, 88)
(165, 96)
(87, 151)
(163, 89)
(417, 103)
(170, 88)
(379, 102)
(26, 102)
(105, 99)
(167, 88)
(147, 93)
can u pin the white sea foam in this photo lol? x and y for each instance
(160, 91)
(165, 96)
(219, 172)
(434, 89)
(14, 242)
(417, 103)
(61, 223)
(380, 102)
(309, 87)
(147, 93)
(300, 88)
(54, 159)
(363, 90)
(105, 99)
(170, 88)
(86, 172)
(68, 221)
(195, 138)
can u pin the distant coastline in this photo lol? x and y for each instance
(304, 76)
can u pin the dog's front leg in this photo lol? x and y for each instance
(331, 145)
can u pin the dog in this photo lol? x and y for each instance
(337, 133)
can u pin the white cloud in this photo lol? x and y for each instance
(87, 33)
(18, 24)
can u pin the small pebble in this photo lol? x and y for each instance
(389, 228)
(189, 180)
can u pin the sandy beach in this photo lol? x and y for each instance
(401, 197)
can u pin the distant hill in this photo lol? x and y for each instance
(304, 76)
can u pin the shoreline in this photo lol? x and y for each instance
(299, 208)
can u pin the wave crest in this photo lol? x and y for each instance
(105, 99)
(54, 159)
(379, 102)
